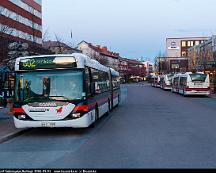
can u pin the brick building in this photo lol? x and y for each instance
(21, 21)
(131, 68)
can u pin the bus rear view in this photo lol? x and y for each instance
(194, 84)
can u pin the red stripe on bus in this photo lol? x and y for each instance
(197, 89)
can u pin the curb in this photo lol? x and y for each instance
(13, 135)
(212, 96)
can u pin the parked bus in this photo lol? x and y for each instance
(63, 91)
(175, 83)
(153, 81)
(161, 81)
(191, 84)
(156, 82)
(167, 82)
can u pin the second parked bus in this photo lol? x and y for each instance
(191, 84)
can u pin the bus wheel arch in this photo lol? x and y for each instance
(96, 116)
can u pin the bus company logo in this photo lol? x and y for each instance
(47, 104)
(59, 110)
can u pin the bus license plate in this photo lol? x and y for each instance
(48, 124)
(197, 84)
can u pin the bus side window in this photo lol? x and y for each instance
(87, 82)
(183, 81)
(115, 82)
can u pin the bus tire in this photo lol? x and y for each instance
(184, 93)
(96, 117)
(109, 107)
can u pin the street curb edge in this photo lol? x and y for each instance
(13, 135)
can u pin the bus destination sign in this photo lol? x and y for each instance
(47, 63)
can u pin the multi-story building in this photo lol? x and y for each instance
(100, 53)
(149, 66)
(21, 20)
(129, 68)
(178, 47)
(167, 65)
(203, 58)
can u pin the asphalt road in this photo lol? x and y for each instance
(151, 128)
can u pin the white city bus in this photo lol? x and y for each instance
(63, 91)
(166, 83)
(154, 81)
(191, 84)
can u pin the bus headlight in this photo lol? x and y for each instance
(21, 117)
(76, 115)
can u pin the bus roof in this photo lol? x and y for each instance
(113, 72)
(81, 60)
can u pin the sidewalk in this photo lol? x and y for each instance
(7, 128)
(213, 96)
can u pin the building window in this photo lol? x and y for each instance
(184, 53)
(183, 43)
(197, 43)
(188, 43)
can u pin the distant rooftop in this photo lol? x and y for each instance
(102, 50)
(187, 37)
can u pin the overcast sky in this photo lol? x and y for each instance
(134, 28)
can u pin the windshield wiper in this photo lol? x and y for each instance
(36, 99)
(59, 98)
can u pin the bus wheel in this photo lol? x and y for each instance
(96, 117)
(184, 93)
(109, 106)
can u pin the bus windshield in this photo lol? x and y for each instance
(170, 77)
(49, 85)
(196, 77)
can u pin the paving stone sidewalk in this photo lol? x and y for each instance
(7, 128)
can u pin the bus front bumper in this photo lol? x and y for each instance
(83, 122)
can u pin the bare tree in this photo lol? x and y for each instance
(59, 42)
(45, 36)
(6, 29)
